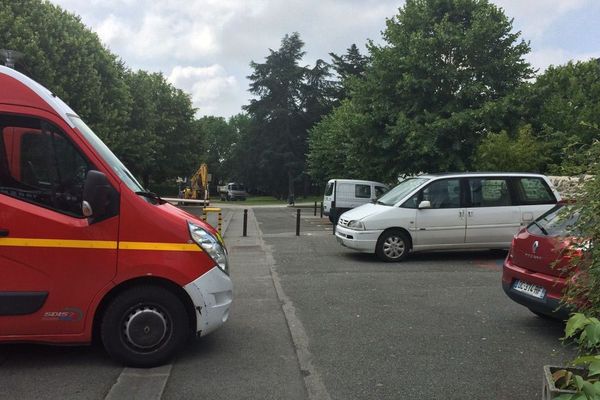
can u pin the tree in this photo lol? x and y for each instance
(219, 138)
(351, 65)
(501, 152)
(162, 141)
(289, 99)
(564, 108)
(425, 97)
(66, 57)
(144, 119)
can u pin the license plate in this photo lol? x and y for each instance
(533, 290)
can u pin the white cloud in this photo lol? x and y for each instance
(543, 58)
(213, 91)
(533, 17)
(205, 46)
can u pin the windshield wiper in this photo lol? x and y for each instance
(150, 195)
(544, 231)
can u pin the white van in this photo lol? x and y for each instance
(342, 195)
(447, 211)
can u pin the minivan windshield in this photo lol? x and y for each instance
(107, 154)
(558, 221)
(401, 191)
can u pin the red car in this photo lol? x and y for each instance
(536, 267)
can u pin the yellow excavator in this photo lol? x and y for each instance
(198, 189)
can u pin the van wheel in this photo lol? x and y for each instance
(144, 326)
(392, 246)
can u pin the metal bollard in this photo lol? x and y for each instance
(245, 230)
(204, 215)
(298, 222)
(219, 221)
(321, 209)
(315, 213)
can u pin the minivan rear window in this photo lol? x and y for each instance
(532, 190)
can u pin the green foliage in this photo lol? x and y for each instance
(585, 331)
(67, 58)
(565, 107)
(426, 97)
(348, 67)
(289, 99)
(336, 148)
(162, 140)
(145, 120)
(501, 152)
(583, 287)
(220, 140)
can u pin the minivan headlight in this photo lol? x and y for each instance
(210, 244)
(356, 225)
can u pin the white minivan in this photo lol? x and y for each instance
(342, 195)
(447, 211)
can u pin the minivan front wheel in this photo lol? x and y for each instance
(144, 326)
(393, 246)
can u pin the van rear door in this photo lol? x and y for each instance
(328, 197)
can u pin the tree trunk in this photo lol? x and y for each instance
(291, 199)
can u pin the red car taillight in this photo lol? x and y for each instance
(512, 246)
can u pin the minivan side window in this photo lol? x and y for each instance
(532, 190)
(443, 193)
(38, 164)
(362, 191)
(489, 192)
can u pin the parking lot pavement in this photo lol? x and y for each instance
(252, 356)
(437, 326)
(51, 372)
(313, 320)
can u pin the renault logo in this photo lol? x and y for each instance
(535, 246)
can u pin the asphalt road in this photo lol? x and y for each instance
(437, 326)
(313, 320)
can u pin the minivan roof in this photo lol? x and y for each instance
(354, 181)
(475, 174)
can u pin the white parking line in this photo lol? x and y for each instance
(140, 384)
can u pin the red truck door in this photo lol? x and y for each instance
(53, 262)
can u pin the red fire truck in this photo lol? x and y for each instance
(85, 251)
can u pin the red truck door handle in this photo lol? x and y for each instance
(3, 232)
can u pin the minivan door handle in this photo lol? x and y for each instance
(470, 213)
(3, 232)
(461, 213)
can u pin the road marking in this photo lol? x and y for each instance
(312, 379)
(140, 384)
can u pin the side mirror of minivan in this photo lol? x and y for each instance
(100, 199)
(425, 204)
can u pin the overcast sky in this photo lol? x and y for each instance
(205, 46)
